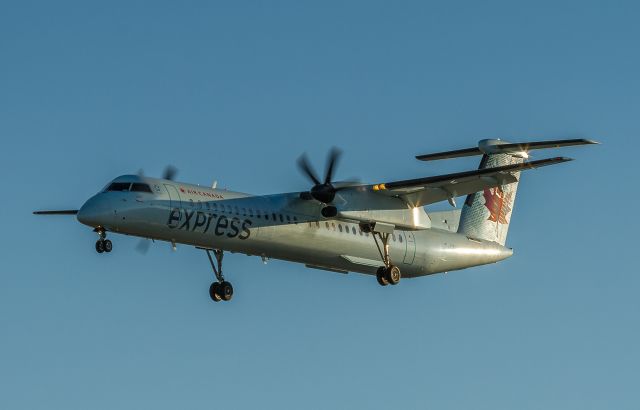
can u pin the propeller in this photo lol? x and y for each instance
(169, 172)
(143, 246)
(322, 191)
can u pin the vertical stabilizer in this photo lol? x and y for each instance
(486, 214)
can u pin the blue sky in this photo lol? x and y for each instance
(235, 92)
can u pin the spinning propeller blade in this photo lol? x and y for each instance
(325, 191)
(169, 172)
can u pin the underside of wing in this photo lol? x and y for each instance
(428, 190)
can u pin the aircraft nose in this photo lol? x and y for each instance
(95, 212)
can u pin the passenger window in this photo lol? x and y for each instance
(327, 225)
(138, 187)
(281, 218)
(119, 186)
(400, 238)
(244, 211)
(273, 216)
(353, 229)
(235, 208)
(340, 227)
(288, 219)
(251, 212)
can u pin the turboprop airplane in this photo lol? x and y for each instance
(378, 229)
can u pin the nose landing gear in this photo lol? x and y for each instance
(103, 244)
(220, 290)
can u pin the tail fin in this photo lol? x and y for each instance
(486, 214)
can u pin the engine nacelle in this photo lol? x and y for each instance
(329, 211)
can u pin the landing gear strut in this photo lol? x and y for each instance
(220, 290)
(103, 244)
(389, 273)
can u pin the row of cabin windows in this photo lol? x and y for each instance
(349, 229)
(247, 212)
(128, 186)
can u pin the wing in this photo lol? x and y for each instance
(425, 191)
(63, 212)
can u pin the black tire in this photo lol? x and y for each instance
(213, 292)
(225, 291)
(108, 246)
(392, 275)
(100, 246)
(380, 276)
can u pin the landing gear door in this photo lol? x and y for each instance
(174, 198)
(410, 250)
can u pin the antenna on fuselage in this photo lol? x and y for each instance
(214, 185)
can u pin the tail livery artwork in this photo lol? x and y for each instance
(378, 229)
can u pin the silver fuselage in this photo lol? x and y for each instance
(280, 226)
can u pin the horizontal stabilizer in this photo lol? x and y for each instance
(467, 152)
(63, 212)
(504, 147)
(528, 146)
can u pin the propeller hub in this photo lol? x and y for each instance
(324, 193)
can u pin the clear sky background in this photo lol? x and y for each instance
(235, 92)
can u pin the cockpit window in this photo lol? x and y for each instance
(138, 187)
(119, 186)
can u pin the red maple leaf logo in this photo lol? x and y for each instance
(498, 203)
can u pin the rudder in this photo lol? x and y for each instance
(486, 214)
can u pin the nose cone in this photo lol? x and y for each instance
(97, 211)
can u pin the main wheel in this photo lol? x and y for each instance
(108, 246)
(100, 246)
(392, 274)
(213, 292)
(225, 291)
(380, 276)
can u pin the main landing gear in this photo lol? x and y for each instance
(103, 244)
(389, 273)
(220, 290)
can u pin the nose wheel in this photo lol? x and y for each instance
(103, 244)
(221, 290)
